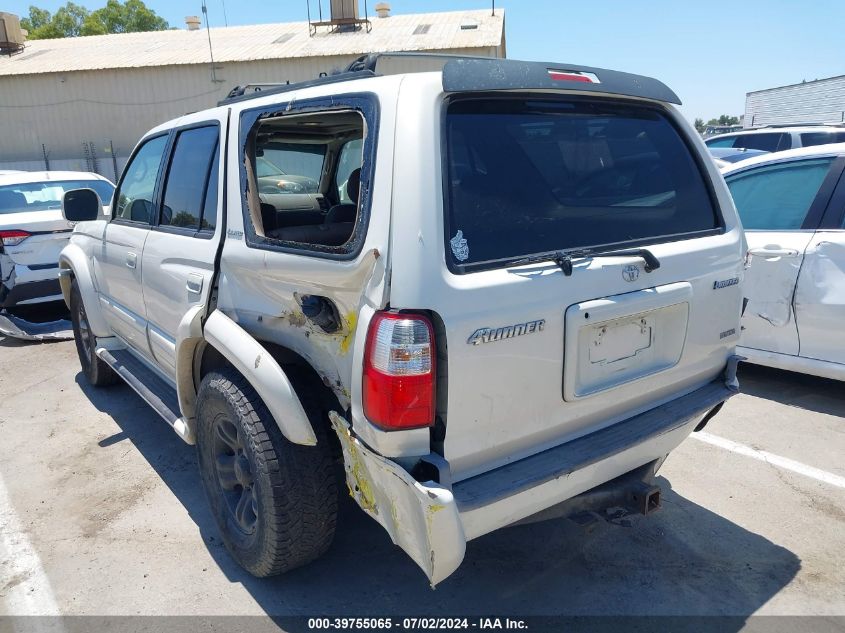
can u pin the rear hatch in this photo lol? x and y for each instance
(550, 332)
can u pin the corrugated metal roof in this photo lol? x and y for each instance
(255, 42)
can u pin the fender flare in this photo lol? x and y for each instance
(74, 263)
(188, 336)
(265, 375)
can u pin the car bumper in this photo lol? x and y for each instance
(432, 522)
(16, 293)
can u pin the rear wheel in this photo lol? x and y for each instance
(275, 502)
(95, 369)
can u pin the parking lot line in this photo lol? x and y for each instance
(27, 590)
(775, 460)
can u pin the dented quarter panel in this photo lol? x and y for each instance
(262, 289)
(820, 298)
(421, 518)
(769, 320)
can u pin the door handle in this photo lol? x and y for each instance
(766, 251)
(131, 260)
(194, 283)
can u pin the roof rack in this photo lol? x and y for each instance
(360, 68)
(463, 73)
(779, 125)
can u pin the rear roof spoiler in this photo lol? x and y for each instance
(480, 74)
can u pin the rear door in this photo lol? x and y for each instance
(118, 265)
(538, 353)
(780, 205)
(179, 253)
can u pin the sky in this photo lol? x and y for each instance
(710, 53)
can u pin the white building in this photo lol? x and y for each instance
(77, 100)
(819, 101)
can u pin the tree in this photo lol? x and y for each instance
(724, 120)
(699, 125)
(73, 20)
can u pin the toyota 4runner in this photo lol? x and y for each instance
(496, 291)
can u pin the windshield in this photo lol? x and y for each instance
(527, 177)
(289, 167)
(47, 195)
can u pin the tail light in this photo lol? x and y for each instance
(12, 237)
(399, 371)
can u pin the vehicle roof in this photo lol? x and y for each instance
(820, 151)
(457, 74)
(728, 152)
(24, 177)
(795, 128)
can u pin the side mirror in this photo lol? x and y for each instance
(81, 205)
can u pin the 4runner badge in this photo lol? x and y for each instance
(491, 335)
(631, 272)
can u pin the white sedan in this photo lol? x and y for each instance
(792, 206)
(33, 232)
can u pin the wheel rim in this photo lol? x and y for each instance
(84, 331)
(234, 475)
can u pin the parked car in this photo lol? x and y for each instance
(712, 130)
(779, 138)
(792, 205)
(527, 297)
(33, 231)
(730, 155)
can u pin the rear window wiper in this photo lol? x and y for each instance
(564, 258)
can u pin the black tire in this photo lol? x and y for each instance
(95, 369)
(274, 502)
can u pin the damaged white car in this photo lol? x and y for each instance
(32, 234)
(513, 291)
(792, 206)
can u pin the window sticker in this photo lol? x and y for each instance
(460, 248)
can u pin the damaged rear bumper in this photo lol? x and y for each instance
(421, 518)
(10, 325)
(432, 522)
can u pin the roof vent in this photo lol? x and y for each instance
(287, 37)
(469, 25)
(383, 9)
(422, 29)
(192, 22)
(11, 35)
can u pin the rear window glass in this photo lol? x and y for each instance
(43, 196)
(530, 177)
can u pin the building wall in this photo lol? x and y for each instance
(73, 113)
(821, 101)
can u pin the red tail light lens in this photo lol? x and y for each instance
(399, 371)
(13, 237)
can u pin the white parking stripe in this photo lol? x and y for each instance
(24, 588)
(774, 460)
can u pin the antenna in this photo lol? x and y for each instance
(225, 19)
(214, 78)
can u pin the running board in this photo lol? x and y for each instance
(151, 387)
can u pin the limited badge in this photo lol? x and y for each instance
(460, 247)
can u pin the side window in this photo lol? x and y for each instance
(775, 142)
(135, 196)
(349, 161)
(821, 138)
(304, 174)
(778, 197)
(727, 141)
(188, 180)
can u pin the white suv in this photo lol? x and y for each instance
(775, 138)
(514, 291)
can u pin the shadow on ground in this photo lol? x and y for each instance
(683, 560)
(793, 389)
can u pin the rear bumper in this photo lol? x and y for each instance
(432, 521)
(31, 292)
